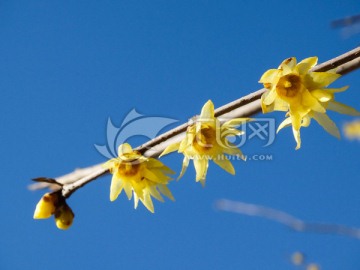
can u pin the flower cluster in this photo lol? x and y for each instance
(55, 204)
(302, 94)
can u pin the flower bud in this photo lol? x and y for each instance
(64, 217)
(46, 206)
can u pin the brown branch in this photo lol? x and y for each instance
(337, 61)
(285, 218)
(243, 107)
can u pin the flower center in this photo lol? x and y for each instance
(129, 167)
(288, 86)
(205, 139)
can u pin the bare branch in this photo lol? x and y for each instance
(285, 218)
(243, 107)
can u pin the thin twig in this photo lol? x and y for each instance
(242, 107)
(285, 218)
(337, 61)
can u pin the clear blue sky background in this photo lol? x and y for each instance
(66, 66)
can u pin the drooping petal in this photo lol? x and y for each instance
(225, 164)
(185, 164)
(166, 191)
(171, 148)
(115, 188)
(128, 189)
(154, 175)
(136, 200)
(287, 122)
(327, 124)
(296, 133)
(148, 202)
(155, 193)
(201, 166)
(342, 108)
(296, 125)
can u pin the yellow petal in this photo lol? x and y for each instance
(269, 76)
(337, 90)
(171, 148)
(128, 189)
(207, 111)
(288, 64)
(317, 80)
(185, 164)
(124, 149)
(136, 200)
(271, 102)
(225, 164)
(296, 133)
(308, 101)
(322, 95)
(342, 108)
(306, 121)
(268, 97)
(296, 124)
(166, 191)
(305, 65)
(155, 193)
(115, 188)
(201, 165)
(285, 123)
(148, 203)
(327, 124)
(187, 141)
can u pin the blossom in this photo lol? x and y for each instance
(352, 129)
(302, 93)
(55, 204)
(144, 177)
(205, 140)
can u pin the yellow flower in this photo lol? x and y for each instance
(145, 177)
(301, 93)
(54, 204)
(206, 140)
(352, 129)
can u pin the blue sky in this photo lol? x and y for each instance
(67, 66)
